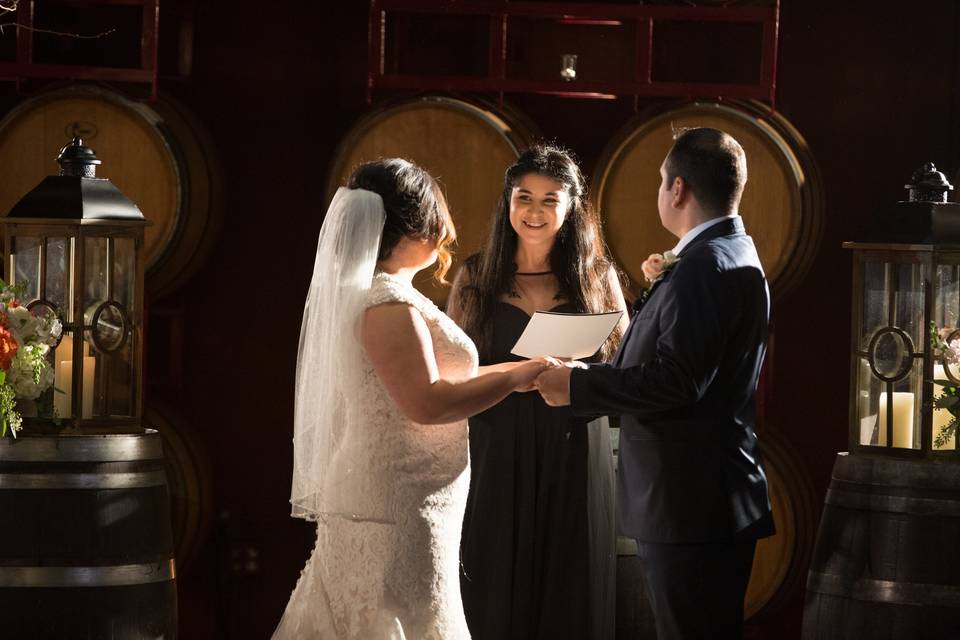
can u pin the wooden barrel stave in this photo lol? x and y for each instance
(91, 553)
(886, 563)
(92, 613)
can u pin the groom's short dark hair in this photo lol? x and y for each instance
(713, 166)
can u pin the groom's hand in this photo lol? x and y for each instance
(554, 386)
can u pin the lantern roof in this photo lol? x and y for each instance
(76, 194)
(925, 218)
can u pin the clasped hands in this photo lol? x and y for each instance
(553, 381)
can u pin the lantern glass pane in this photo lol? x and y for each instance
(875, 299)
(868, 391)
(26, 269)
(95, 276)
(908, 302)
(59, 272)
(118, 367)
(63, 358)
(946, 304)
(875, 401)
(946, 318)
(124, 271)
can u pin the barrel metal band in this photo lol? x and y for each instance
(131, 480)
(108, 576)
(893, 504)
(104, 448)
(866, 589)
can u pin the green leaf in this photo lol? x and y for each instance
(945, 402)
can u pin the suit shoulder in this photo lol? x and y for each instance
(727, 252)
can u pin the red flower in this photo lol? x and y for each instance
(8, 348)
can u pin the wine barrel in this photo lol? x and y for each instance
(886, 563)
(780, 562)
(782, 202)
(467, 146)
(86, 550)
(189, 478)
(156, 155)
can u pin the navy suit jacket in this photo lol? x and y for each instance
(683, 382)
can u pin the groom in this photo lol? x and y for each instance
(692, 489)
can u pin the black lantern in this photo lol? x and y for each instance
(885, 561)
(75, 245)
(906, 314)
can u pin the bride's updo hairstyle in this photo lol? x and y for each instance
(414, 204)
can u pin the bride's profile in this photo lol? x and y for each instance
(385, 383)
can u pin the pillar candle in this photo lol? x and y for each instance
(89, 372)
(902, 420)
(63, 380)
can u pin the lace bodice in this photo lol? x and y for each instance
(388, 567)
(455, 353)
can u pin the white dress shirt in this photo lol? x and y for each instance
(689, 236)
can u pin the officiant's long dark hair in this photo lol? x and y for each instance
(578, 258)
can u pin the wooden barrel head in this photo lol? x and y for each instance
(780, 205)
(466, 147)
(189, 477)
(154, 159)
(780, 562)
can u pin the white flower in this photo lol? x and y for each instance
(22, 323)
(29, 375)
(49, 330)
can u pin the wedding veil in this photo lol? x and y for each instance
(330, 356)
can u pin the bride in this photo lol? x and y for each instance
(385, 383)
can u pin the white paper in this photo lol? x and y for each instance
(565, 335)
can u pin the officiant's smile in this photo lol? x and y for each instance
(538, 207)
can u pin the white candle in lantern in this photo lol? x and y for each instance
(942, 417)
(63, 381)
(89, 372)
(902, 420)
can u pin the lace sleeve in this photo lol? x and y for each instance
(386, 290)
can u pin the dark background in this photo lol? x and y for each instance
(872, 86)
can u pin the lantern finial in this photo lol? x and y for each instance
(77, 160)
(928, 185)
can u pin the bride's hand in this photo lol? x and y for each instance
(525, 373)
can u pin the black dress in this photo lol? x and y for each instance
(538, 541)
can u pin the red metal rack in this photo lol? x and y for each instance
(25, 68)
(645, 16)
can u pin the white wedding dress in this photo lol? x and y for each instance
(394, 577)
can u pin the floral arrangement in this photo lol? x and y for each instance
(25, 340)
(949, 398)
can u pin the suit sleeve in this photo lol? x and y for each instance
(691, 343)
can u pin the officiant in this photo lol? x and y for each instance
(538, 557)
